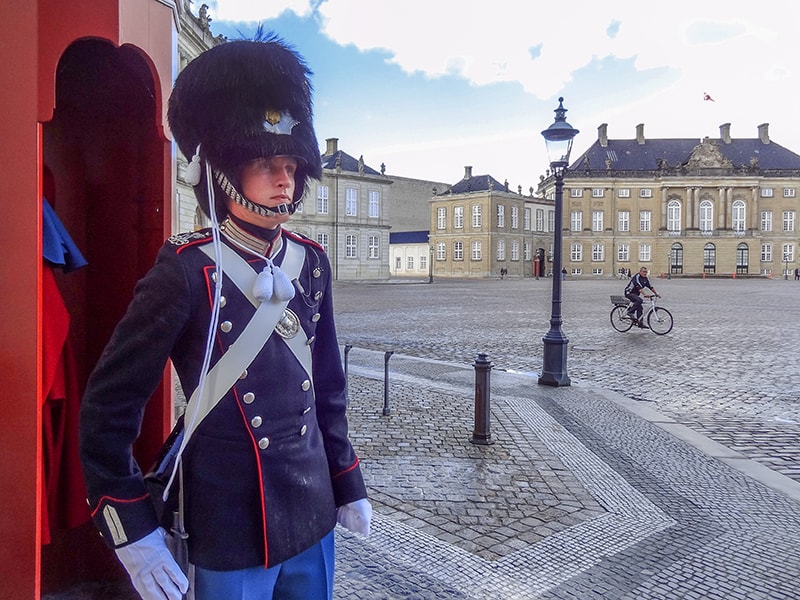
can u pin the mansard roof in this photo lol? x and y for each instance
(346, 163)
(476, 183)
(686, 153)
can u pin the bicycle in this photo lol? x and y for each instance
(658, 319)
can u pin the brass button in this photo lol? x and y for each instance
(263, 443)
(317, 272)
(317, 296)
(243, 375)
(226, 326)
(315, 318)
(307, 410)
(256, 421)
(303, 430)
(310, 340)
(222, 301)
(249, 397)
(214, 276)
(306, 385)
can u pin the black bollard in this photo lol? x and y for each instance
(386, 356)
(481, 434)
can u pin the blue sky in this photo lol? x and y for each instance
(427, 87)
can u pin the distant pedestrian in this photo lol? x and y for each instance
(797, 274)
(564, 274)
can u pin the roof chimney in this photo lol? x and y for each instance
(763, 133)
(333, 146)
(467, 173)
(640, 133)
(725, 133)
(602, 135)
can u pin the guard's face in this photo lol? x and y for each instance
(269, 182)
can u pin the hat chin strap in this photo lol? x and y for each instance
(259, 209)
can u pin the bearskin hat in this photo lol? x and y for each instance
(244, 100)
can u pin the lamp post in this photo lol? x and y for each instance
(786, 268)
(558, 138)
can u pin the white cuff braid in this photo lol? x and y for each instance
(153, 571)
(355, 516)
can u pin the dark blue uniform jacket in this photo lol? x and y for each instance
(266, 469)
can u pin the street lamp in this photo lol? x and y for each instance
(558, 138)
(786, 268)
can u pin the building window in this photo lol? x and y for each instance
(514, 217)
(441, 218)
(576, 193)
(709, 258)
(624, 220)
(766, 252)
(526, 251)
(737, 215)
(374, 250)
(351, 202)
(527, 219)
(441, 251)
(551, 221)
(576, 220)
(477, 216)
(576, 252)
(597, 192)
(501, 215)
(645, 220)
(539, 219)
(322, 199)
(623, 252)
(322, 240)
(375, 204)
(788, 192)
(673, 215)
(410, 263)
(458, 217)
(788, 220)
(515, 250)
(742, 259)
(501, 250)
(398, 263)
(788, 253)
(458, 250)
(623, 193)
(423, 262)
(645, 252)
(766, 192)
(350, 246)
(766, 220)
(476, 250)
(598, 252)
(645, 193)
(597, 220)
(706, 215)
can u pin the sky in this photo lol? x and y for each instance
(427, 87)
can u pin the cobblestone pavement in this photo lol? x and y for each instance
(589, 491)
(729, 369)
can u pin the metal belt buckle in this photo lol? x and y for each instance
(288, 325)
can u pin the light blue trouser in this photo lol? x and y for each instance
(307, 576)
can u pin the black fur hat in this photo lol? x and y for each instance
(244, 100)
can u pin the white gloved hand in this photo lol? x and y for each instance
(154, 572)
(355, 516)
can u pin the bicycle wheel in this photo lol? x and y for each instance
(620, 319)
(659, 320)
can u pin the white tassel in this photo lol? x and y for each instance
(263, 287)
(193, 170)
(283, 288)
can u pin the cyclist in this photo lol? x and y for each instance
(633, 293)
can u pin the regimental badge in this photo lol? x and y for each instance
(181, 239)
(280, 123)
(288, 325)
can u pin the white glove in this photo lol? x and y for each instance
(355, 516)
(154, 572)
